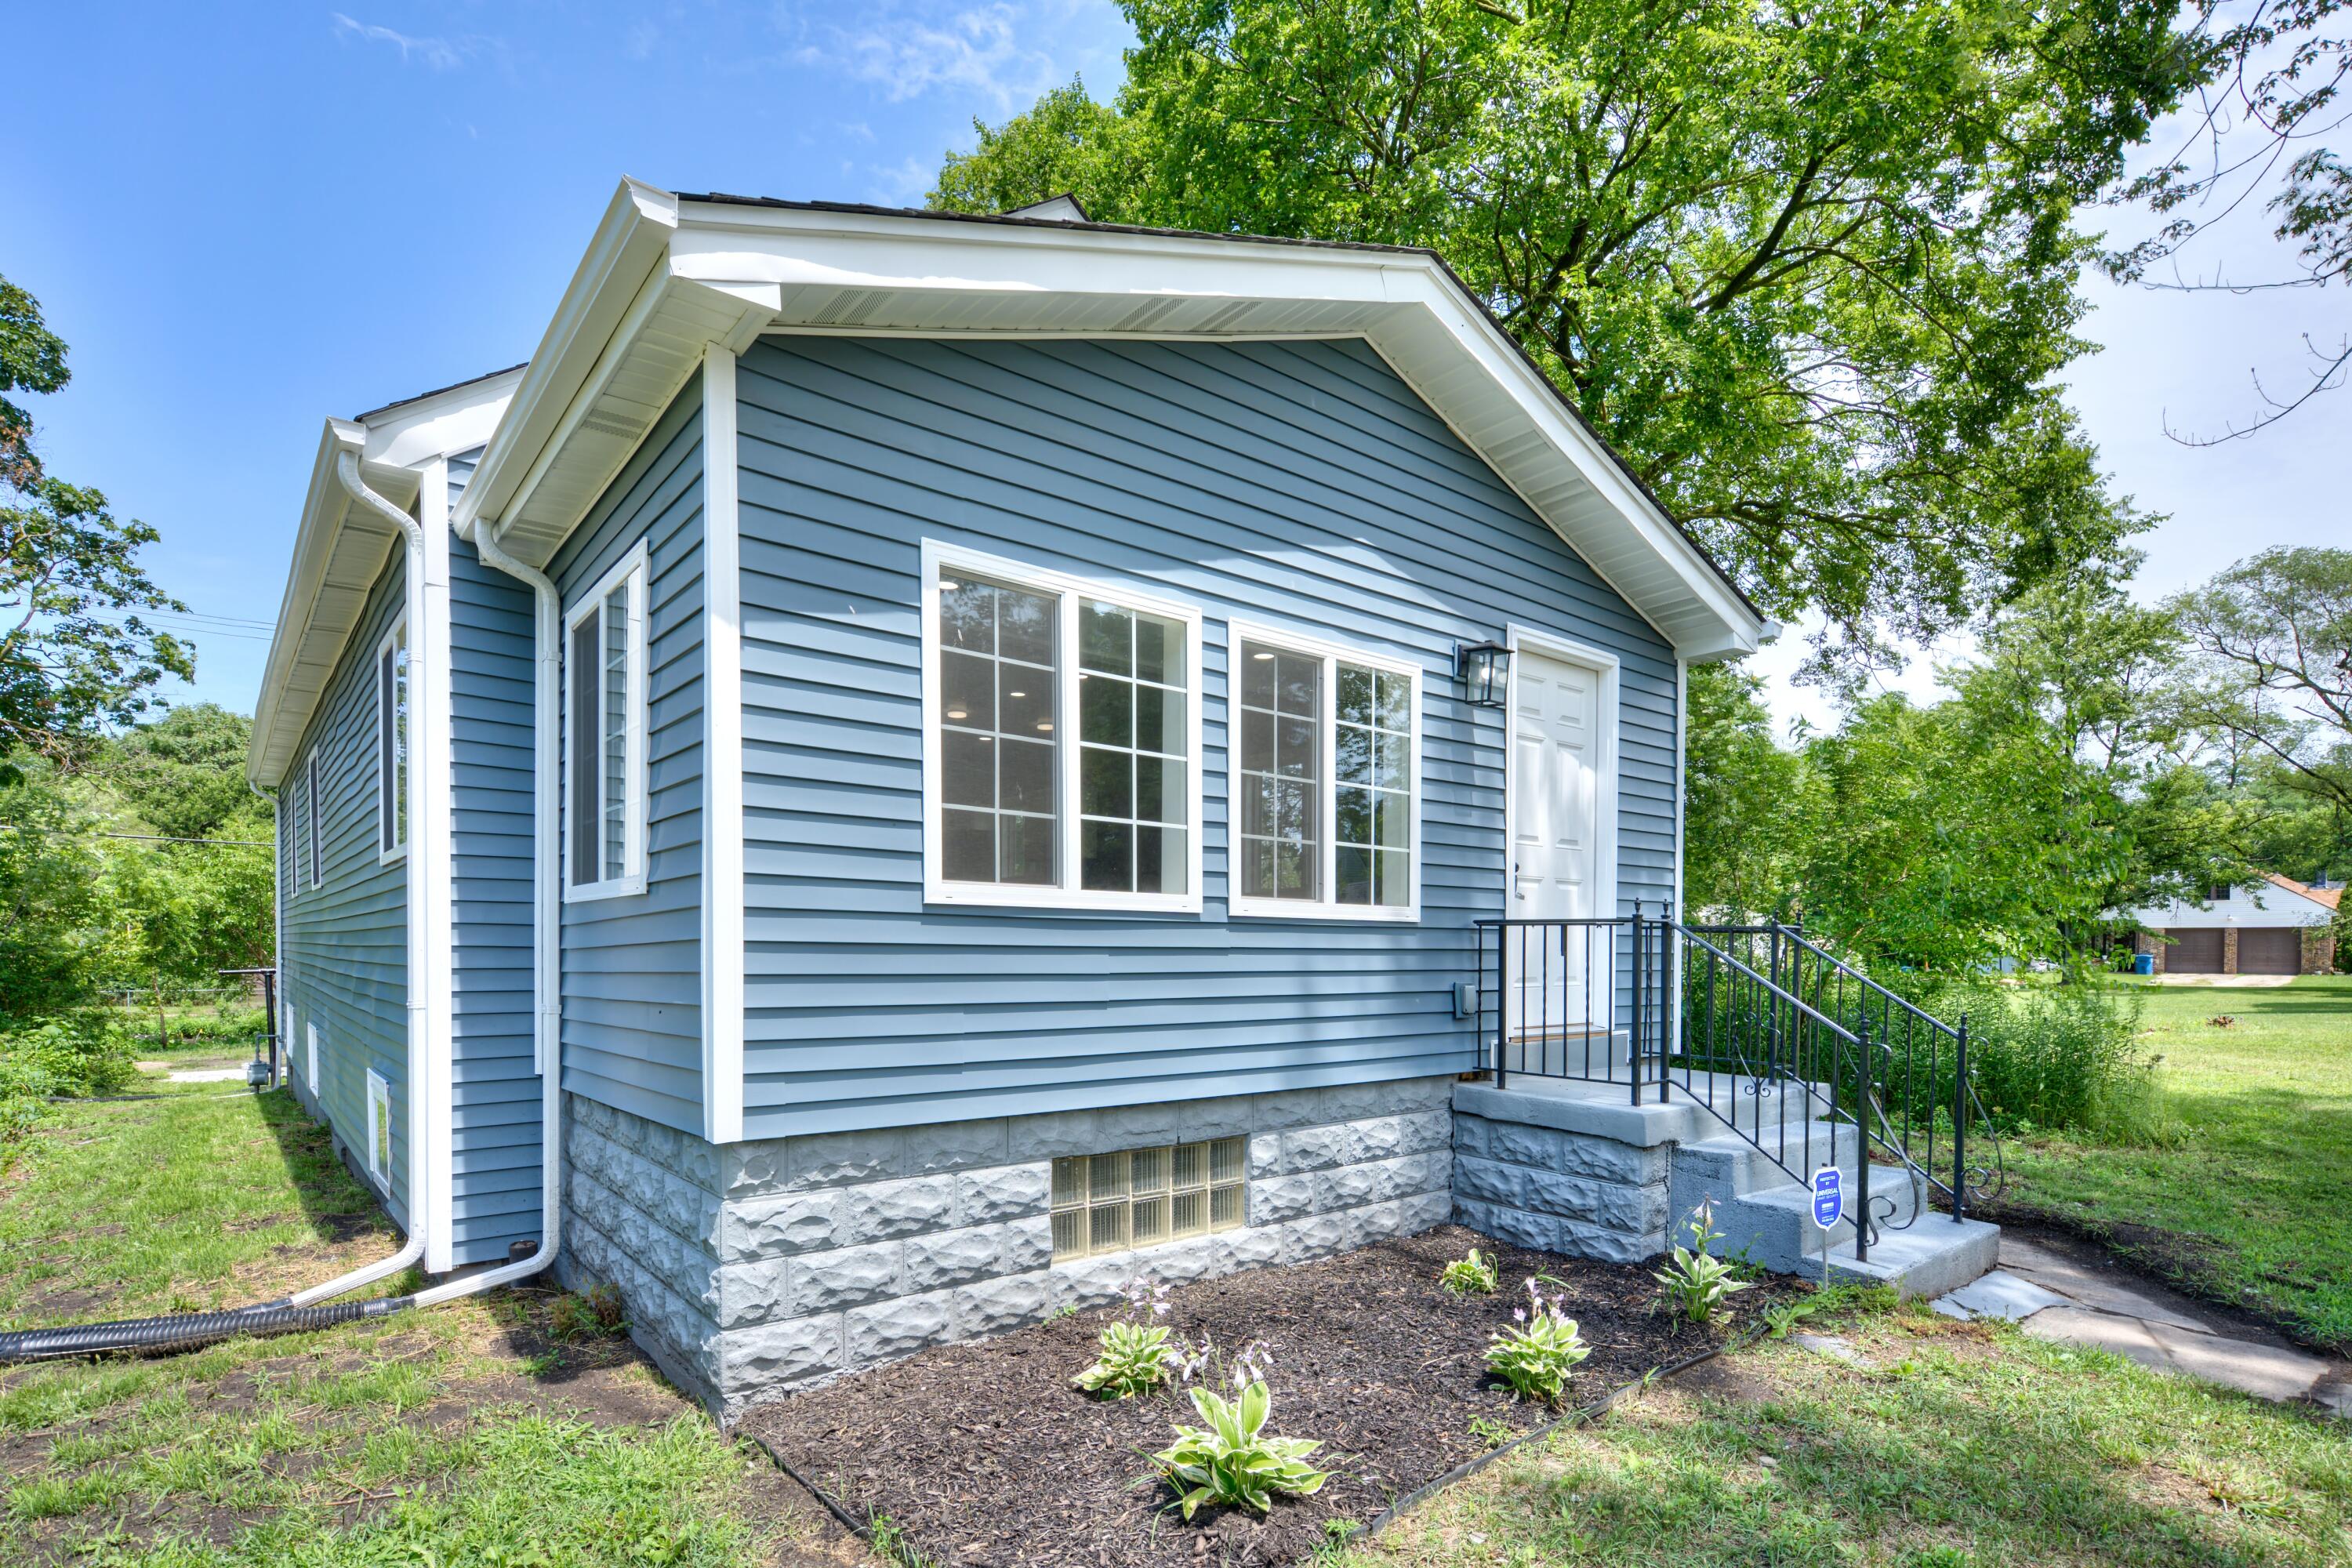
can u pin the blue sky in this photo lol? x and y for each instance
(244, 219)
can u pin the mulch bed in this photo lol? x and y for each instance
(983, 1456)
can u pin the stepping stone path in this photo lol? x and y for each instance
(2057, 1296)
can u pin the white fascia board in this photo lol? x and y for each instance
(286, 699)
(429, 427)
(629, 243)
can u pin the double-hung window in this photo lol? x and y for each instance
(392, 744)
(1062, 740)
(604, 679)
(1325, 749)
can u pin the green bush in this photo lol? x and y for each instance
(216, 1028)
(2058, 1057)
(72, 1054)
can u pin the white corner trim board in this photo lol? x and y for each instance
(722, 754)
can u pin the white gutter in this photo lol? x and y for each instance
(422, 753)
(547, 1046)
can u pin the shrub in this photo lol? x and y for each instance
(1231, 1461)
(1537, 1355)
(596, 1310)
(71, 1054)
(1465, 1275)
(1696, 1281)
(2059, 1057)
(1134, 1358)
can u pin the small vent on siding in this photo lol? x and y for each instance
(1142, 319)
(1225, 316)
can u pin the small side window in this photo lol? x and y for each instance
(392, 744)
(379, 1094)
(604, 675)
(310, 816)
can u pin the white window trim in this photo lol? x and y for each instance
(632, 879)
(310, 834)
(936, 889)
(1327, 907)
(387, 813)
(379, 1097)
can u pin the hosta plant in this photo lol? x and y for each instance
(1131, 1359)
(1536, 1355)
(1231, 1461)
(1696, 1281)
(1465, 1275)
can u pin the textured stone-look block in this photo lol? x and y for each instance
(756, 1269)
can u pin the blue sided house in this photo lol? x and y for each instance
(907, 767)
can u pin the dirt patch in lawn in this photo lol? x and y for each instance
(982, 1455)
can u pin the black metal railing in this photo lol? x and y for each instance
(1775, 1036)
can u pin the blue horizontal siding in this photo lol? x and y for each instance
(346, 946)
(633, 966)
(495, 1145)
(1301, 485)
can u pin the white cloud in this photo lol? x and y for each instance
(998, 50)
(438, 53)
(904, 184)
(640, 40)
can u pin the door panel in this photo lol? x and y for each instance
(1555, 833)
(2195, 949)
(2270, 950)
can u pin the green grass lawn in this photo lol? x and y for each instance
(1948, 1446)
(469, 1434)
(2251, 1203)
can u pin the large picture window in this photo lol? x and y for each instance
(1060, 756)
(1326, 747)
(392, 744)
(604, 679)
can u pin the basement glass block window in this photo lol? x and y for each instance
(1141, 1198)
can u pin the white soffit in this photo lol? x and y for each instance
(668, 275)
(339, 549)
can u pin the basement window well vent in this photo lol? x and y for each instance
(1142, 1197)
(379, 1094)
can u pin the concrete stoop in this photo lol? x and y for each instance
(1576, 1168)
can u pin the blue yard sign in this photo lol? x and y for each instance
(1829, 1197)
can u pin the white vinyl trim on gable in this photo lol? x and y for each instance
(630, 572)
(1326, 905)
(668, 274)
(1605, 665)
(1068, 592)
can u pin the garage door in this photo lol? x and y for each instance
(2195, 949)
(2274, 950)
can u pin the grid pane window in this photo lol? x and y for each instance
(1281, 764)
(1140, 1197)
(1132, 722)
(999, 744)
(1371, 817)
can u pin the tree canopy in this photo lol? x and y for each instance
(1813, 273)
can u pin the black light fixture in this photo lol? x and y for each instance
(1485, 669)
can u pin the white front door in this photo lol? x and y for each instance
(1560, 978)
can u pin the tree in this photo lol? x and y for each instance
(2273, 73)
(56, 908)
(1811, 272)
(184, 774)
(75, 655)
(1744, 809)
(32, 359)
(2274, 639)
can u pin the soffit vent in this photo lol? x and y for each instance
(613, 424)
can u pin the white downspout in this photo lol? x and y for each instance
(421, 753)
(547, 1046)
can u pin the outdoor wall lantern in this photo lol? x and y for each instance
(1486, 672)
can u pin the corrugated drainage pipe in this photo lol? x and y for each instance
(186, 1330)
